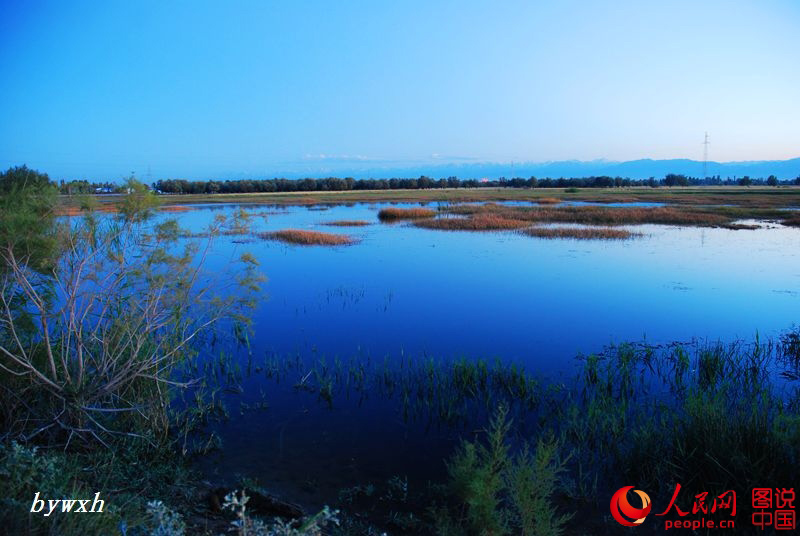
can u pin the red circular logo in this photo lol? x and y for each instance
(624, 513)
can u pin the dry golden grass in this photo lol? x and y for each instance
(547, 200)
(580, 233)
(347, 223)
(307, 238)
(73, 210)
(390, 214)
(480, 222)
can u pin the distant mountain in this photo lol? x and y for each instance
(634, 169)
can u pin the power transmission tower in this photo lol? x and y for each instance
(705, 156)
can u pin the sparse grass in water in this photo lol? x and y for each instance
(347, 223)
(393, 213)
(307, 238)
(481, 222)
(547, 200)
(581, 233)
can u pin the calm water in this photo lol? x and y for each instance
(415, 292)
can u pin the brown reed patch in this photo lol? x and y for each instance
(793, 220)
(307, 238)
(73, 210)
(740, 226)
(392, 214)
(601, 215)
(479, 222)
(547, 200)
(580, 233)
(347, 223)
(175, 208)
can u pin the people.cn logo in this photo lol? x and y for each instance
(624, 512)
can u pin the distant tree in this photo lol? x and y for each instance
(673, 179)
(745, 181)
(27, 232)
(424, 182)
(797, 180)
(139, 202)
(772, 180)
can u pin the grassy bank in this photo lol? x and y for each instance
(620, 215)
(752, 197)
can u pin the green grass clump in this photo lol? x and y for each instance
(497, 492)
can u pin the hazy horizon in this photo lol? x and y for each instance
(204, 90)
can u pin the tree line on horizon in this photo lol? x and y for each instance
(243, 186)
(182, 186)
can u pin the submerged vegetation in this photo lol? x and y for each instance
(710, 416)
(307, 238)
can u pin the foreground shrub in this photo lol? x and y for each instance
(24, 471)
(90, 349)
(500, 493)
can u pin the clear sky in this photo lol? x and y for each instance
(216, 89)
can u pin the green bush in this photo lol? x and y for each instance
(498, 493)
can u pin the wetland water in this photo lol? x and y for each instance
(403, 292)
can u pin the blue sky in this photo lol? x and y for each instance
(222, 89)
